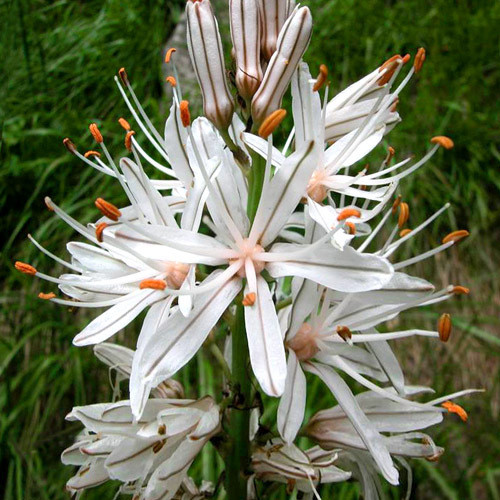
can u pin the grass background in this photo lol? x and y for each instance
(57, 61)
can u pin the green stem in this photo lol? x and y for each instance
(238, 458)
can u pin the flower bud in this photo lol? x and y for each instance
(245, 34)
(292, 42)
(205, 50)
(273, 14)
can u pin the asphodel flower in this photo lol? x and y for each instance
(151, 456)
(205, 49)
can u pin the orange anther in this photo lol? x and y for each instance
(396, 204)
(419, 59)
(185, 116)
(389, 61)
(271, 123)
(344, 332)
(96, 134)
(107, 209)
(162, 429)
(158, 446)
(46, 296)
(99, 229)
(154, 284)
(404, 232)
(444, 327)
(48, 203)
(123, 76)
(443, 141)
(128, 140)
(404, 214)
(406, 58)
(460, 290)
(351, 226)
(249, 299)
(25, 268)
(456, 236)
(91, 153)
(454, 408)
(169, 53)
(69, 145)
(171, 80)
(321, 80)
(394, 105)
(348, 212)
(124, 124)
(390, 154)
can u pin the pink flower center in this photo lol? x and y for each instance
(304, 342)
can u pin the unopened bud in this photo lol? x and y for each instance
(245, 34)
(292, 43)
(273, 15)
(205, 50)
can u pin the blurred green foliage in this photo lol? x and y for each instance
(58, 59)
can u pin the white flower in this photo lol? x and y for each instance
(152, 455)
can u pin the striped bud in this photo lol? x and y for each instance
(273, 14)
(245, 34)
(292, 42)
(205, 50)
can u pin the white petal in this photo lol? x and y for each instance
(88, 476)
(345, 271)
(389, 363)
(115, 356)
(116, 317)
(293, 401)
(265, 343)
(283, 193)
(177, 342)
(260, 146)
(369, 435)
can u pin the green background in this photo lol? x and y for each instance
(57, 61)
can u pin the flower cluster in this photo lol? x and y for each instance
(232, 237)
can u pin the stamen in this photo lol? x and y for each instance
(419, 59)
(390, 70)
(171, 80)
(404, 214)
(107, 209)
(46, 296)
(444, 327)
(96, 134)
(99, 229)
(123, 76)
(184, 111)
(153, 284)
(390, 155)
(395, 205)
(25, 268)
(124, 124)
(344, 333)
(128, 140)
(351, 226)
(48, 203)
(460, 290)
(443, 141)
(454, 408)
(162, 429)
(406, 58)
(249, 299)
(348, 212)
(456, 236)
(394, 105)
(271, 123)
(321, 80)
(404, 232)
(169, 53)
(91, 154)
(158, 446)
(69, 145)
